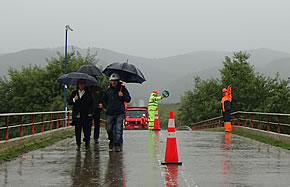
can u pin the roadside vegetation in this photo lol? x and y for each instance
(14, 153)
(251, 92)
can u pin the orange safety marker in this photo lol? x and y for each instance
(156, 121)
(228, 127)
(171, 154)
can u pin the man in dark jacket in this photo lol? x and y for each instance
(82, 112)
(113, 101)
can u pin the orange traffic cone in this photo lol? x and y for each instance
(156, 121)
(171, 154)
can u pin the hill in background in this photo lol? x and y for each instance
(173, 73)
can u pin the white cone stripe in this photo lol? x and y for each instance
(171, 135)
(156, 117)
(171, 123)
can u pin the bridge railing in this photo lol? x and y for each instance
(274, 122)
(13, 125)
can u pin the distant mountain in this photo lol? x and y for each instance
(174, 73)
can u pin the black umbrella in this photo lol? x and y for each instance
(128, 72)
(73, 77)
(89, 69)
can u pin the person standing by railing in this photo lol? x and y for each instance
(226, 108)
(83, 108)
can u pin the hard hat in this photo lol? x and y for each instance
(155, 91)
(224, 90)
(114, 77)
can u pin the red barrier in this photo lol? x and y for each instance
(7, 128)
(57, 122)
(21, 126)
(278, 130)
(259, 126)
(268, 124)
(252, 125)
(50, 122)
(18, 124)
(32, 129)
(63, 121)
(68, 119)
(42, 123)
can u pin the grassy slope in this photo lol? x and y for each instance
(19, 151)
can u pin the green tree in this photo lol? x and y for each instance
(34, 88)
(250, 90)
(200, 103)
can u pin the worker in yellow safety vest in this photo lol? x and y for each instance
(152, 105)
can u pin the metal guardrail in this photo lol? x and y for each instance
(13, 125)
(274, 122)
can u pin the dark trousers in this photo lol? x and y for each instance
(97, 116)
(227, 116)
(86, 126)
(114, 127)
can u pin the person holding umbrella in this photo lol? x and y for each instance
(82, 112)
(117, 96)
(97, 94)
(82, 102)
(113, 101)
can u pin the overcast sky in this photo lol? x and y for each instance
(149, 28)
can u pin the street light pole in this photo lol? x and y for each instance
(67, 28)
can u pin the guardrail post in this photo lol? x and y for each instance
(259, 125)
(245, 121)
(7, 128)
(57, 123)
(68, 124)
(42, 123)
(63, 121)
(21, 126)
(278, 130)
(50, 122)
(252, 125)
(268, 124)
(32, 128)
(239, 120)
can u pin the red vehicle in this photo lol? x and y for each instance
(136, 118)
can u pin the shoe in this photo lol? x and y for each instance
(118, 148)
(111, 146)
(78, 148)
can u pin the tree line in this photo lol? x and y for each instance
(35, 88)
(251, 92)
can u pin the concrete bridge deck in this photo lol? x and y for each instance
(209, 159)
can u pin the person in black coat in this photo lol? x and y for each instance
(114, 98)
(97, 94)
(83, 107)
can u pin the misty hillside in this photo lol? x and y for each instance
(174, 73)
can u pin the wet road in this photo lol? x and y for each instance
(209, 159)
